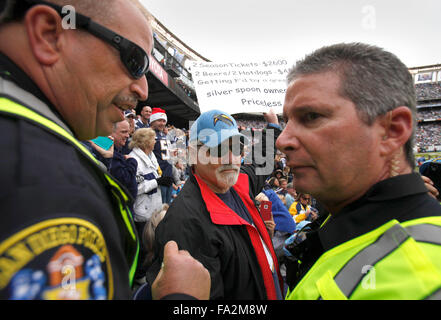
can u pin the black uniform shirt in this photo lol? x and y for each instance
(60, 235)
(404, 197)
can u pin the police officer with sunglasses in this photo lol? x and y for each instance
(67, 73)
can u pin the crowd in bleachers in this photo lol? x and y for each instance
(426, 114)
(428, 91)
(248, 124)
(428, 134)
(187, 89)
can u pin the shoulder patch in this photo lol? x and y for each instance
(58, 259)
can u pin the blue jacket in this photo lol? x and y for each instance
(282, 218)
(125, 171)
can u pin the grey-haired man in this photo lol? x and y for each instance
(215, 218)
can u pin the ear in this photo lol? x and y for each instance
(44, 28)
(397, 126)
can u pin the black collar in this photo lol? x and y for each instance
(393, 198)
(11, 72)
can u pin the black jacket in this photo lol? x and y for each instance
(223, 242)
(404, 198)
(59, 225)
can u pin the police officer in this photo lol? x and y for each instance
(66, 231)
(350, 111)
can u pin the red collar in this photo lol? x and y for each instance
(221, 214)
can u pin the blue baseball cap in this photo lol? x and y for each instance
(213, 127)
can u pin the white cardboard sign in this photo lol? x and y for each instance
(238, 87)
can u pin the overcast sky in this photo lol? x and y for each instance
(245, 30)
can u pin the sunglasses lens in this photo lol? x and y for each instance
(222, 149)
(137, 62)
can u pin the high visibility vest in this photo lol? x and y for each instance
(395, 261)
(119, 196)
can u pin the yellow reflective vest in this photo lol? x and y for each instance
(394, 261)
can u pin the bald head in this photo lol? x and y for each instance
(82, 75)
(102, 11)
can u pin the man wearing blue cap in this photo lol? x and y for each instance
(215, 218)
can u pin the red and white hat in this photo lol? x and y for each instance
(158, 113)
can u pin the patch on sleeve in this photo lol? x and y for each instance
(59, 259)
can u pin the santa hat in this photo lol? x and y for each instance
(158, 113)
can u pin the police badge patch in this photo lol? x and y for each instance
(59, 259)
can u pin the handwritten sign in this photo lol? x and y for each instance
(241, 87)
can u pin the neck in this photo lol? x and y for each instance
(213, 187)
(336, 206)
(147, 151)
(216, 189)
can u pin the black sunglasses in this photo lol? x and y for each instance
(134, 58)
(222, 149)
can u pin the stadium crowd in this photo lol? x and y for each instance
(427, 135)
(432, 114)
(428, 91)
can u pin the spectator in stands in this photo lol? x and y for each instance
(215, 218)
(278, 167)
(143, 121)
(291, 195)
(149, 195)
(273, 183)
(283, 184)
(130, 116)
(158, 120)
(116, 158)
(287, 172)
(122, 166)
(148, 199)
(121, 134)
(178, 174)
(301, 208)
